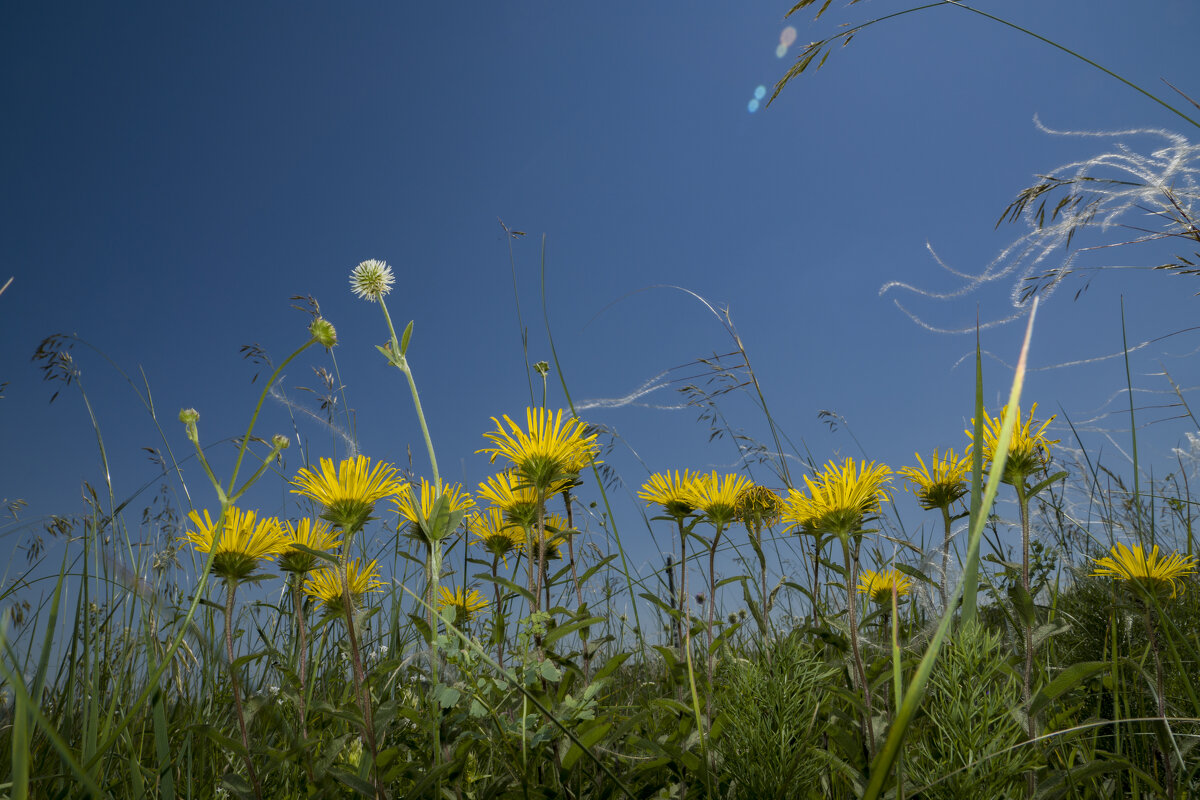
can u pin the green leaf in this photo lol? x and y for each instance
(587, 738)
(445, 696)
(1067, 680)
(562, 630)
(405, 337)
(549, 672)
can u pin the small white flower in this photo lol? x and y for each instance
(371, 279)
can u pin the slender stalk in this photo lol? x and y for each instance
(230, 593)
(302, 666)
(360, 683)
(685, 611)
(860, 673)
(1152, 634)
(945, 554)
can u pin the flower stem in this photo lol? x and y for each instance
(230, 593)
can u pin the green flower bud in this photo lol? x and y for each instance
(323, 331)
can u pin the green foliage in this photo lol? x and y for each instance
(770, 706)
(968, 742)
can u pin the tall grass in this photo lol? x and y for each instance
(123, 682)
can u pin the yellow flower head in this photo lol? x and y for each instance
(518, 501)
(314, 535)
(547, 451)
(1148, 573)
(326, 584)
(465, 604)
(758, 506)
(554, 538)
(349, 494)
(1029, 450)
(878, 585)
(674, 492)
(840, 498)
(942, 483)
(419, 513)
(241, 541)
(716, 497)
(498, 537)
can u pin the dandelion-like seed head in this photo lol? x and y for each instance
(1148, 574)
(879, 585)
(372, 279)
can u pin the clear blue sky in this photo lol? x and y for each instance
(173, 175)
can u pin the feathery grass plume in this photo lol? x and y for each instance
(940, 485)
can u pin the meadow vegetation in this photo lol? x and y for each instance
(488, 649)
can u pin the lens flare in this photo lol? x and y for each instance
(760, 92)
(752, 106)
(788, 36)
(781, 51)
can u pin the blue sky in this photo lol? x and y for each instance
(173, 175)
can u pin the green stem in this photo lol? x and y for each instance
(401, 362)
(230, 592)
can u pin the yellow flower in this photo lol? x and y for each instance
(241, 542)
(840, 498)
(674, 492)
(757, 506)
(1029, 450)
(465, 605)
(941, 485)
(418, 514)
(547, 451)
(326, 584)
(717, 497)
(1149, 573)
(519, 502)
(312, 534)
(499, 538)
(878, 585)
(349, 494)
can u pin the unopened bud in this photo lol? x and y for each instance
(323, 331)
(280, 442)
(189, 416)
